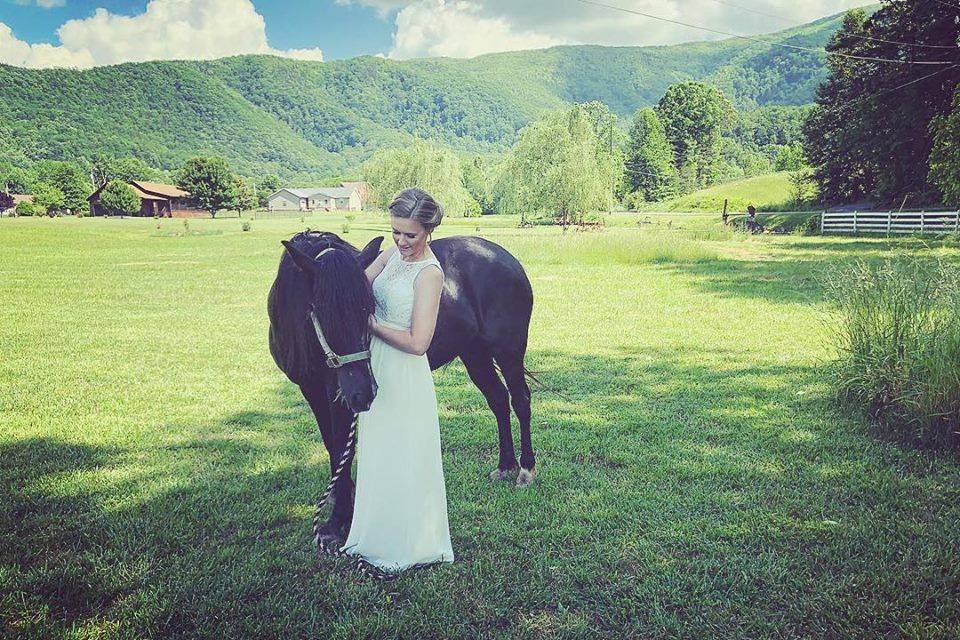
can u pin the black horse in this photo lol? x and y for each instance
(484, 318)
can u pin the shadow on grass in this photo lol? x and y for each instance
(689, 493)
(798, 270)
(782, 281)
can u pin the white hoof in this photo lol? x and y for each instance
(525, 477)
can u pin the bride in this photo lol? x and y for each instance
(400, 509)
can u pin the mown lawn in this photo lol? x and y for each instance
(158, 473)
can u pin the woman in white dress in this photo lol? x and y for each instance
(400, 508)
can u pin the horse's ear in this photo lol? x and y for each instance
(369, 253)
(302, 260)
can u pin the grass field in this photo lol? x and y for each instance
(158, 473)
(768, 192)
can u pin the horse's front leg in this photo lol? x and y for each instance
(334, 530)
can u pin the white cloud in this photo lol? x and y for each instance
(22, 54)
(166, 30)
(302, 54)
(456, 29)
(462, 27)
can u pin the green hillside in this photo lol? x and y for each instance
(302, 118)
(769, 192)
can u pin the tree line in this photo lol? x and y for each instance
(889, 131)
(575, 161)
(63, 187)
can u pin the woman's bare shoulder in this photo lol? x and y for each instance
(430, 274)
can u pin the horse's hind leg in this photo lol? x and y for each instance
(480, 368)
(511, 365)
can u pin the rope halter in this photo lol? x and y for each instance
(334, 361)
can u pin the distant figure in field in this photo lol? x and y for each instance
(751, 223)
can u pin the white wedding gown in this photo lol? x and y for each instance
(400, 508)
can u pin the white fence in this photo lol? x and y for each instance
(890, 222)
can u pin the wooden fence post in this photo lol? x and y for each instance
(889, 222)
(922, 217)
(854, 221)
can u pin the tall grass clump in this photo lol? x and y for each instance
(899, 346)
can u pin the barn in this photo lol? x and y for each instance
(156, 200)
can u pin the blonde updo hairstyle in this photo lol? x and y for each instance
(416, 204)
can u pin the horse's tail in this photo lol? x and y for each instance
(530, 375)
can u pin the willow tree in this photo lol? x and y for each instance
(557, 167)
(434, 169)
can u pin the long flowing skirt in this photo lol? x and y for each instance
(400, 508)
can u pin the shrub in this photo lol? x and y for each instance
(899, 345)
(26, 208)
(245, 225)
(119, 198)
(808, 226)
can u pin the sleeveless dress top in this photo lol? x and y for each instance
(400, 506)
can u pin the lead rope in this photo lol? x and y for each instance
(333, 549)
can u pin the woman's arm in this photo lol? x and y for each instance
(426, 304)
(377, 265)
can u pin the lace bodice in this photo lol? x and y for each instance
(393, 290)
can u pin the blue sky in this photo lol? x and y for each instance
(86, 33)
(347, 30)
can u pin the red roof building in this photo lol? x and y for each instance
(156, 200)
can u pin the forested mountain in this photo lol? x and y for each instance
(302, 118)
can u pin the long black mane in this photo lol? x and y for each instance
(343, 297)
(344, 301)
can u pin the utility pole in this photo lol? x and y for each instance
(613, 177)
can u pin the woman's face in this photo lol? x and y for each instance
(409, 236)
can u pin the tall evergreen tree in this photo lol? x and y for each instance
(650, 171)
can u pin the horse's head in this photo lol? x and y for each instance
(341, 303)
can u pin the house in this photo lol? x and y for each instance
(17, 199)
(156, 199)
(365, 191)
(341, 198)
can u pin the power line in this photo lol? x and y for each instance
(848, 35)
(766, 42)
(627, 169)
(899, 86)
